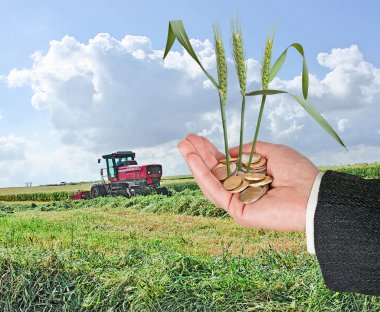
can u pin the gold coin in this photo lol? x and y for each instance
(224, 160)
(219, 165)
(259, 169)
(254, 176)
(232, 182)
(265, 187)
(240, 188)
(220, 172)
(245, 158)
(264, 171)
(259, 164)
(266, 181)
(251, 194)
(233, 168)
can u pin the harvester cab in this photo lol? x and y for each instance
(116, 160)
(126, 178)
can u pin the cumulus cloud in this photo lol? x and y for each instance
(12, 147)
(35, 162)
(352, 80)
(110, 94)
(12, 154)
(348, 96)
(116, 92)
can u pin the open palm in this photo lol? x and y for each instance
(282, 208)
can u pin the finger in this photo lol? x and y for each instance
(186, 149)
(212, 148)
(208, 157)
(209, 185)
(262, 148)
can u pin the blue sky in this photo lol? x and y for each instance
(33, 136)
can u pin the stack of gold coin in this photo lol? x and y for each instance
(250, 184)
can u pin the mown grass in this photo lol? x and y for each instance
(48, 197)
(98, 259)
(46, 189)
(368, 171)
(155, 253)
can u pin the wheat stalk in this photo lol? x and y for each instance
(241, 71)
(265, 74)
(222, 78)
(177, 31)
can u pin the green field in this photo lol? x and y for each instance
(155, 253)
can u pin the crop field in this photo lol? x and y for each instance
(155, 253)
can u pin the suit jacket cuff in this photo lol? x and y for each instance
(310, 212)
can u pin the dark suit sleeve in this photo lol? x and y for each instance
(347, 233)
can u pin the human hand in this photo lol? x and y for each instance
(282, 208)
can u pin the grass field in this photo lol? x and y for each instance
(155, 253)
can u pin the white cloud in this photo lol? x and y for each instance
(347, 58)
(350, 91)
(111, 94)
(342, 124)
(117, 92)
(35, 162)
(352, 80)
(12, 147)
(12, 154)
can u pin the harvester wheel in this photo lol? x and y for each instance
(102, 190)
(95, 191)
(162, 190)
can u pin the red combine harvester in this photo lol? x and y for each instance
(126, 178)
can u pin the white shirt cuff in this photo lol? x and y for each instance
(310, 211)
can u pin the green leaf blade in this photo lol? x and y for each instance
(305, 80)
(177, 31)
(265, 92)
(305, 72)
(277, 65)
(169, 41)
(318, 118)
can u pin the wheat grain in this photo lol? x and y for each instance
(238, 55)
(266, 64)
(221, 62)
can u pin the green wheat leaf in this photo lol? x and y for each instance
(264, 92)
(277, 65)
(177, 31)
(318, 118)
(280, 61)
(308, 107)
